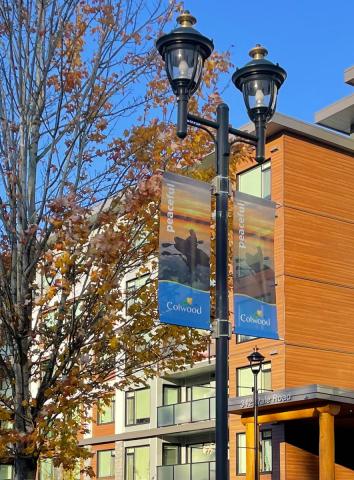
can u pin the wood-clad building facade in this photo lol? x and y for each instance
(307, 403)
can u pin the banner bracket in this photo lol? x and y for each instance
(221, 184)
(221, 328)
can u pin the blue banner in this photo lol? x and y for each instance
(254, 280)
(184, 252)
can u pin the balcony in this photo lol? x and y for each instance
(186, 412)
(187, 471)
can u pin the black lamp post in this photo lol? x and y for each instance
(184, 51)
(256, 360)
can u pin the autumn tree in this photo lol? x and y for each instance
(80, 159)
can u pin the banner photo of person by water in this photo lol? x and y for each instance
(184, 247)
(254, 280)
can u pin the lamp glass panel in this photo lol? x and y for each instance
(181, 64)
(260, 93)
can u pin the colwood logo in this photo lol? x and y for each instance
(257, 318)
(186, 306)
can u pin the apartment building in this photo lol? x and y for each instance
(306, 400)
(165, 431)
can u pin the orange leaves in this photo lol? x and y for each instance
(63, 262)
(72, 79)
(106, 244)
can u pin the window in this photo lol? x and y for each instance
(244, 338)
(46, 470)
(137, 463)
(137, 406)
(245, 380)
(171, 394)
(105, 463)
(197, 392)
(105, 412)
(240, 453)
(256, 181)
(132, 287)
(201, 452)
(6, 472)
(171, 454)
(265, 452)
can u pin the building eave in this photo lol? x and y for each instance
(292, 398)
(338, 116)
(281, 123)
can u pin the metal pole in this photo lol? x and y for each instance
(256, 432)
(222, 299)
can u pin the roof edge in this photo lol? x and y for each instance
(281, 123)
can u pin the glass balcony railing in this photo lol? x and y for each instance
(187, 471)
(186, 412)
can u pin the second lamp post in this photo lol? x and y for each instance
(256, 361)
(184, 51)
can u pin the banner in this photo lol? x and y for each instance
(184, 247)
(254, 280)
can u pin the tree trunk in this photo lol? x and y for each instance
(25, 468)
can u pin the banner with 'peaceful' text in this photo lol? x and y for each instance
(254, 281)
(184, 252)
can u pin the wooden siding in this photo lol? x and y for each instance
(101, 430)
(318, 179)
(320, 316)
(314, 266)
(98, 448)
(318, 247)
(306, 366)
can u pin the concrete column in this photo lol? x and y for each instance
(119, 460)
(327, 441)
(249, 451)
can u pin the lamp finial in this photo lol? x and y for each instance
(258, 52)
(186, 19)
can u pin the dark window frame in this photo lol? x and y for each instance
(262, 432)
(238, 435)
(189, 451)
(268, 363)
(179, 453)
(113, 404)
(189, 391)
(129, 292)
(264, 167)
(146, 420)
(133, 455)
(98, 462)
(165, 386)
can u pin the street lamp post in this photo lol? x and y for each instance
(184, 51)
(256, 360)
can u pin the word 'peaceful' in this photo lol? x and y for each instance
(241, 224)
(170, 205)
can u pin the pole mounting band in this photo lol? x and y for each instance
(221, 328)
(220, 185)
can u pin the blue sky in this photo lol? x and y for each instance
(313, 40)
